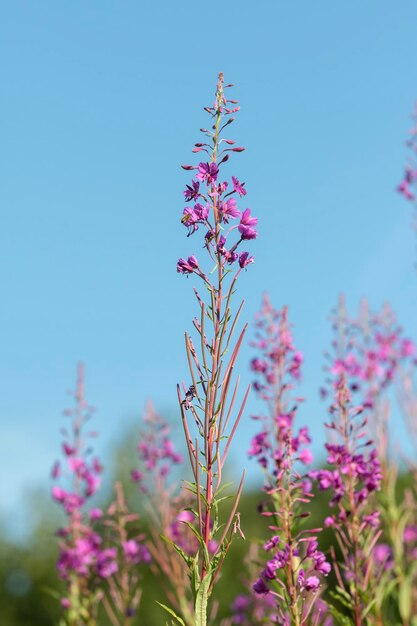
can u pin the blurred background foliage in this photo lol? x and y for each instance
(28, 578)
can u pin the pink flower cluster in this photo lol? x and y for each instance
(214, 201)
(351, 457)
(80, 546)
(294, 573)
(277, 367)
(278, 361)
(86, 480)
(156, 451)
(248, 610)
(311, 563)
(86, 554)
(368, 351)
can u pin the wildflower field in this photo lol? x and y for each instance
(234, 506)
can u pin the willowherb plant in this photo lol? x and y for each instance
(124, 552)
(81, 563)
(99, 557)
(165, 507)
(249, 608)
(156, 454)
(374, 356)
(205, 403)
(369, 350)
(295, 572)
(408, 185)
(353, 477)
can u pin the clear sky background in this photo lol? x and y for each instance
(100, 103)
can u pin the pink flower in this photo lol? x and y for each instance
(312, 583)
(246, 226)
(77, 465)
(239, 187)
(192, 191)
(404, 189)
(68, 450)
(185, 516)
(95, 514)
(131, 550)
(136, 476)
(229, 210)
(245, 259)
(306, 456)
(208, 172)
(187, 267)
(59, 494)
(106, 564)
(410, 534)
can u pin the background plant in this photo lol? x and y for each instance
(294, 573)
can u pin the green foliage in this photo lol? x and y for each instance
(29, 582)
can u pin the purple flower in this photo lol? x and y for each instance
(404, 189)
(372, 519)
(208, 172)
(95, 514)
(240, 603)
(320, 563)
(259, 444)
(239, 187)
(312, 583)
(306, 456)
(187, 267)
(246, 226)
(58, 494)
(136, 476)
(245, 259)
(67, 449)
(131, 550)
(185, 516)
(190, 220)
(106, 564)
(191, 217)
(271, 543)
(192, 191)
(383, 556)
(260, 587)
(229, 210)
(410, 534)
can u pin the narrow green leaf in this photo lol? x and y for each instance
(405, 599)
(187, 559)
(201, 602)
(171, 612)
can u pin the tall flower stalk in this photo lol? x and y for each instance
(81, 563)
(294, 573)
(361, 367)
(126, 551)
(371, 352)
(208, 400)
(354, 475)
(164, 505)
(408, 185)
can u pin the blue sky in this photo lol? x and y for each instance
(101, 102)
